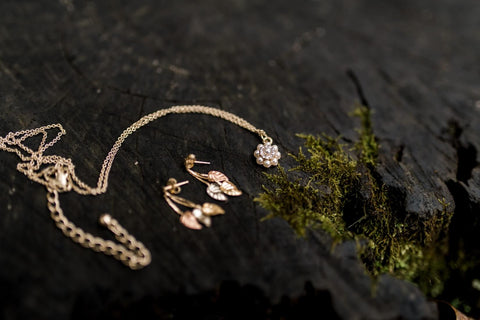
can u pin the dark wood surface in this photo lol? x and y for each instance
(287, 67)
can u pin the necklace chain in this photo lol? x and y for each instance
(59, 176)
(131, 252)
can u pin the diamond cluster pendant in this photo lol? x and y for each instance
(267, 155)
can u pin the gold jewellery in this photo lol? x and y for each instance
(190, 218)
(58, 175)
(218, 184)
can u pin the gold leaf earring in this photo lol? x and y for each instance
(190, 218)
(218, 184)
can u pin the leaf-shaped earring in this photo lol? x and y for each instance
(218, 184)
(190, 218)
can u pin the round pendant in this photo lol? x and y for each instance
(267, 155)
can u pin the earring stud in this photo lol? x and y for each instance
(218, 184)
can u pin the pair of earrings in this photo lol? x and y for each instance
(218, 187)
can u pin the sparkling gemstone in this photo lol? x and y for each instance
(197, 213)
(268, 151)
(262, 153)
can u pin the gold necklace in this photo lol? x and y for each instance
(58, 175)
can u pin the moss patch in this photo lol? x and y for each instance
(334, 187)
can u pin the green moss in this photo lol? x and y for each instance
(367, 144)
(411, 249)
(319, 198)
(333, 187)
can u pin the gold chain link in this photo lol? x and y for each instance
(131, 252)
(107, 164)
(59, 176)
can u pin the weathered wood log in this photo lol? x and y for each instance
(96, 67)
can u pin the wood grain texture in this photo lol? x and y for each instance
(287, 67)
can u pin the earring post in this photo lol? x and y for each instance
(202, 162)
(178, 184)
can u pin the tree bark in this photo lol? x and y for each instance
(287, 67)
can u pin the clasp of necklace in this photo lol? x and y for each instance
(58, 177)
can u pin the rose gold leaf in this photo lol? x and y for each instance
(229, 188)
(213, 190)
(217, 176)
(210, 209)
(189, 221)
